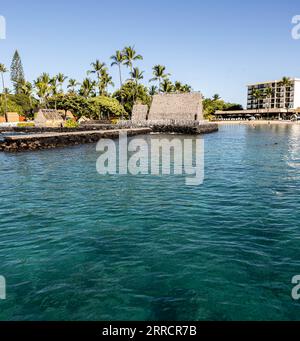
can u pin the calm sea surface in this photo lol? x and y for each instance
(75, 245)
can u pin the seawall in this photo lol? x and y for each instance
(19, 143)
(176, 127)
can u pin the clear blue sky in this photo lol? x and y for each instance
(217, 46)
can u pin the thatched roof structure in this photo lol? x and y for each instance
(177, 107)
(49, 118)
(139, 113)
(12, 117)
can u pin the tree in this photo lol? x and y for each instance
(211, 105)
(159, 74)
(166, 86)
(27, 102)
(17, 72)
(106, 107)
(97, 68)
(27, 91)
(178, 86)
(87, 88)
(153, 90)
(258, 95)
(130, 56)
(3, 70)
(137, 75)
(43, 88)
(118, 60)
(72, 85)
(132, 92)
(186, 88)
(269, 92)
(61, 78)
(53, 86)
(11, 106)
(285, 83)
(94, 108)
(182, 88)
(105, 81)
(216, 97)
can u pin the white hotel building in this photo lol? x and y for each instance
(282, 97)
(283, 100)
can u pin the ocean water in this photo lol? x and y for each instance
(75, 245)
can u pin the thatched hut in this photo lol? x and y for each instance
(49, 118)
(177, 107)
(139, 113)
(12, 117)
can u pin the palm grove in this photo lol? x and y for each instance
(91, 97)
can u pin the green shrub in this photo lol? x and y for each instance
(106, 107)
(94, 108)
(11, 106)
(71, 124)
(131, 93)
(26, 125)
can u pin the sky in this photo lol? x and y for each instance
(217, 46)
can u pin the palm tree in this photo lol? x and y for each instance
(178, 87)
(72, 85)
(105, 81)
(42, 90)
(3, 70)
(137, 75)
(45, 78)
(286, 83)
(118, 59)
(61, 79)
(153, 90)
(87, 87)
(159, 74)
(130, 56)
(166, 86)
(97, 68)
(53, 88)
(216, 97)
(257, 95)
(269, 92)
(186, 88)
(27, 90)
(53, 85)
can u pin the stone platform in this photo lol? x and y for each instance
(16, 143)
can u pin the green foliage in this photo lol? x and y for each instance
(78, 105)
(210, 106)
(71, 124)
(17, 72)
(131, 93)
(27, 103)
(12, 106)
(26, 125)
(232, 107)
(106, 107)
(94, 108)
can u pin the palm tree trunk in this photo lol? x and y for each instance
(121, 85)
(120, 74)
(5, 98)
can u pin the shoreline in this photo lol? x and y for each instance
(258, 122)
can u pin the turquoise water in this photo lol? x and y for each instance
(75, 245)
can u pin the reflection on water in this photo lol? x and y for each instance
(77, 245)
